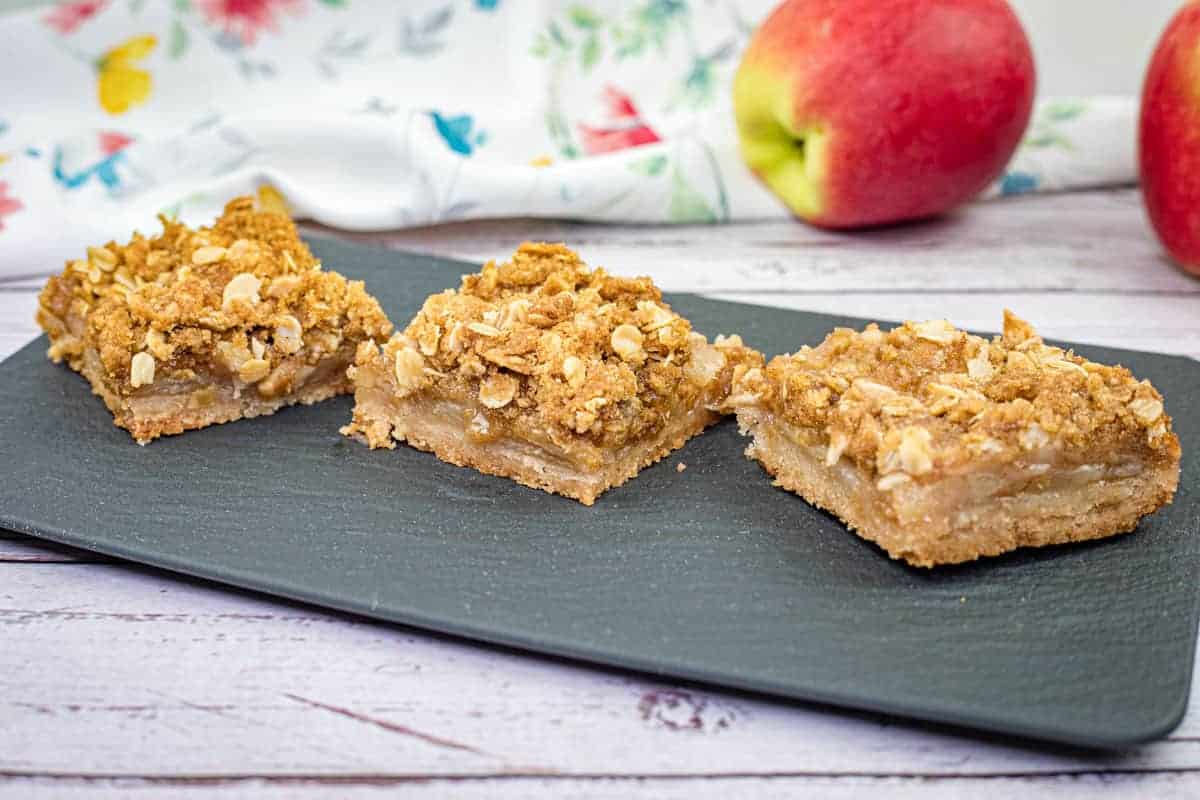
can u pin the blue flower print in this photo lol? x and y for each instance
(76, 162)
(105, 171)
(1018, 183)
(458, 132)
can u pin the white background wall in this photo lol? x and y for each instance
(1093, 46)
(1081, 46)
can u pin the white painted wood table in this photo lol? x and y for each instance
(119, 681)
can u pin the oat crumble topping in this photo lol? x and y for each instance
(234, 299)
(551, 347)
(924, 397)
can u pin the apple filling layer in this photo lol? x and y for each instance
(562, 378)
(197, 327)
(990, 508)
(943, 447)
(460, 433)
(173, 406)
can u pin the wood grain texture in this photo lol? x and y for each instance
(1093, 241)
(1155, 323)
(132, 673)
(1166, 786)
(1096, 241)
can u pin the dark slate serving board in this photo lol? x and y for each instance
(710, 574)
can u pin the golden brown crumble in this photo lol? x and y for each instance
(552, 348)
(234, 299)
(925, 397)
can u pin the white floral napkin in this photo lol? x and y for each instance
(366, 114)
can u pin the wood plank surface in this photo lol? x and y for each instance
(1162, 786)
(130, 672)
(1094, 241)
(1155, 323)
(1091, 241)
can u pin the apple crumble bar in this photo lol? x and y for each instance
(562, 378)
(196, 327)
(942, 447)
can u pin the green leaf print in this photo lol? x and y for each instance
(177, 42)
(1063, 110)
(629, 42)
(1044, 133)
(1048, 139)
(698, 87)
(557, 35)
(590, 53)
(650, 166)
(656, 18)
(583, 17)
(687, 205)
(560, 133)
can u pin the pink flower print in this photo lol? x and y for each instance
(67, 17)
(620, 105)
(111, 142)
(627, 128)
(245, 19)
(8, 204)
(608, 140)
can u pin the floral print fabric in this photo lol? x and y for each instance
(366, 114)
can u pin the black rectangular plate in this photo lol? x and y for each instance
(710, 574)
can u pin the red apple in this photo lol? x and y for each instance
(1169, 138)
(863, 112)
